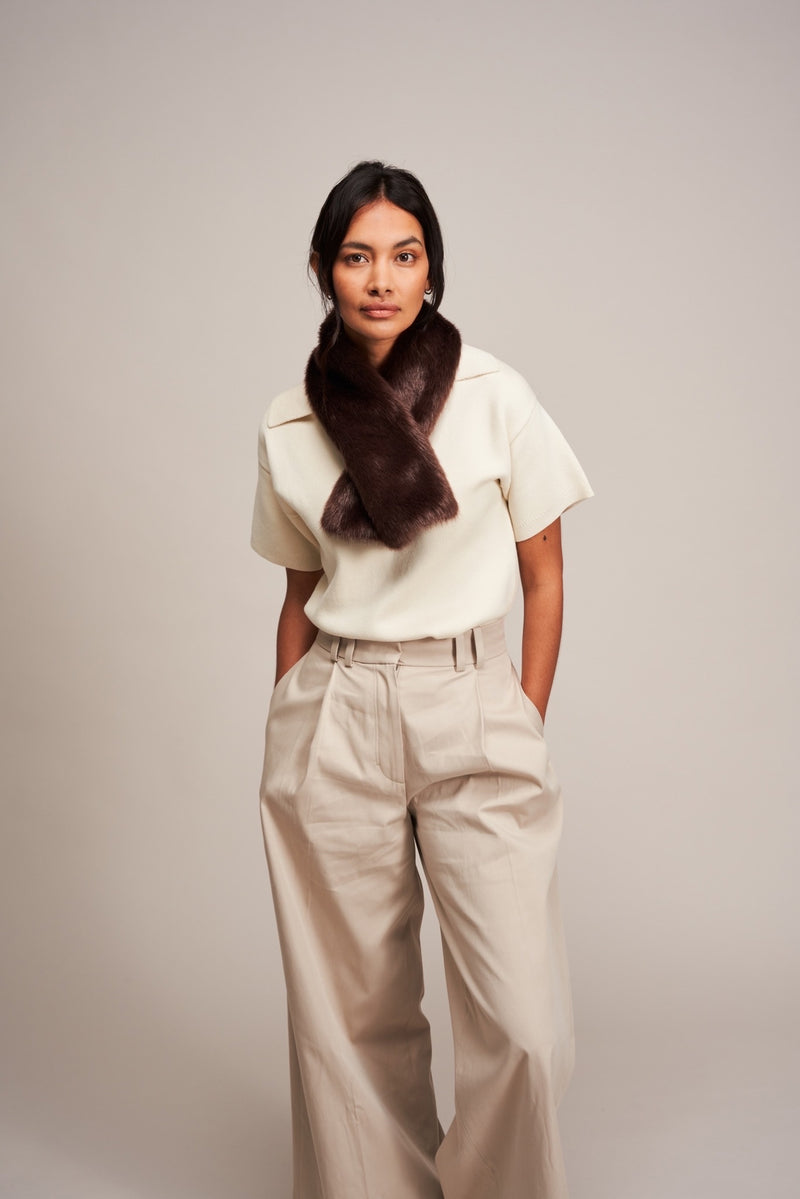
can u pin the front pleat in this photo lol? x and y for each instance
(297, 714)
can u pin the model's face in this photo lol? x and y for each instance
(380, 276)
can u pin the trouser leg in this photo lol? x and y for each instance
(488, 817)
(348, 902)
(307, 1182)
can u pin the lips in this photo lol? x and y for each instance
(380, 310)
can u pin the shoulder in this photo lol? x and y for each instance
(290, 405)
(498, 382)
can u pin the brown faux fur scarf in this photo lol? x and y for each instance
(393, 486)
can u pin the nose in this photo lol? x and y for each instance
(379, 283)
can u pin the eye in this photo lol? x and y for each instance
(407, 256)
(355, 258)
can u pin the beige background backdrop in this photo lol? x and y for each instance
(619, 187)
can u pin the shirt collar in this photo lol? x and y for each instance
(293, 405)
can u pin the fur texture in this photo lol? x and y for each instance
(393, 486)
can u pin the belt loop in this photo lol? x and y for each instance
(477, 638)
(335, 643)
(350, 645)
(459, 648)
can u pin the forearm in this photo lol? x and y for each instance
(296, 632)
(541, 567)
(541, 638)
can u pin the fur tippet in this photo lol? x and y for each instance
(393, 486)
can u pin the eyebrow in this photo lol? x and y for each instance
(398, 245)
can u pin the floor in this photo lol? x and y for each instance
(685, 1113)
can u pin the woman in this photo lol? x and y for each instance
(405, 486)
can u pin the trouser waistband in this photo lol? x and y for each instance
(471, 647)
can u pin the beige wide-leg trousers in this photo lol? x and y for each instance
(376, 751)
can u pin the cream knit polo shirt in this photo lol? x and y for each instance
(509, 467)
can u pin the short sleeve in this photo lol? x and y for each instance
(545, 477)
(278, 533)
